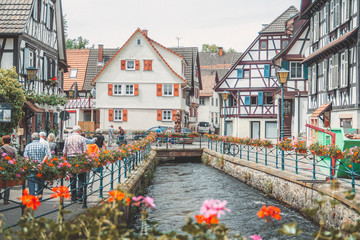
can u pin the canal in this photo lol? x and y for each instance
(179, 189)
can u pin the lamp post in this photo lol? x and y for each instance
(225, 96)
(282, 76)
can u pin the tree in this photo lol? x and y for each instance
(13, 93)
(231, 50)
(79, 43)
(210, 48)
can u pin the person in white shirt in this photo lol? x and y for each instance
(43, 140)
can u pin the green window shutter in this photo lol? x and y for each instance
(267, 70)
(260, 98)
(306, 70)
(247, 100)
(285, 65)
(240, 73)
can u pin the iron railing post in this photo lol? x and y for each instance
(266, 157)
(248, 152)
(276, 156)
(256, 156)
(119, 171)
(101, 183)
(112, 177)
(296, 163)
(314, 165)
(84, 196)
(352, 177)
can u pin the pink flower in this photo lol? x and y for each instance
(149, 202)
(3, 155)
(11, 162)
(17, 175)
(213, 207)
(255, 237)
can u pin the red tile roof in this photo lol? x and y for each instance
(208, 82)
(77, 59)
(323, 108)
(150, 42)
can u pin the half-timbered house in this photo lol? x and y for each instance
(333, 63)
(251, 109)
(32, 35)
(295, 90)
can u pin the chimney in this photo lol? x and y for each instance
(145, 31)
(100, 53)
(221, 52)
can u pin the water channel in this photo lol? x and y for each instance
(179, 189)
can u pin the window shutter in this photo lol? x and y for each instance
(326, 76)
(146, 65)
(173, 114)
(26, 60)
(137, 65)
(110, 89)
(158, 89)
(346, 80)
(311, 30)
(240, 73)
(111, 115)
(315, 79)
(247, 100)
(267, 70)
(48, 16)
(347, 10)
(316, 24)
(136, 89)
(176, 90)
(260, 98)
(336, 71)
(305, 70)
(45, 77)
(159, 115)
(123, 64)
(150, 65)
(285, 65)
(125, 115)
(338, 13)
(310, 81)
(327, 18)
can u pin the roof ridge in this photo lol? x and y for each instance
(164, 47)
(281, 15)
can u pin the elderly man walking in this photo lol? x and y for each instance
(43, 140)
(36, 152)
(73, 146)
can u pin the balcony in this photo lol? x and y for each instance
(194, 100)
(41, 87)
(81, 103)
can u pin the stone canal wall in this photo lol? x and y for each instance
(285, 187)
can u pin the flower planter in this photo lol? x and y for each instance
(301, 151)
(10, 183)
(339, 156)
(269, 146)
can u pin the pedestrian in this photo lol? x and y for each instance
(100, 139)
(11, 152)
(43, 140)
(121, 136)
(52, 145)
(158, 141)
(36, 152)
(168, 133)
(75, 145)
(111, 134)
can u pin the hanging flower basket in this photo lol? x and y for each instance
(339, 156)
(10, 183)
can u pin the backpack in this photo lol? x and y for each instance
(122, 132)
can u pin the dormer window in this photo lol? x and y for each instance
(138, 42)
(73, 73)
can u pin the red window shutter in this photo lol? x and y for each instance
(125, 115)
(146, 65)
(111, 115)
(195, 113)
(176, 90)
(173, 114)
(159, 115)
(123, 64)
(136, 89)
(149, 64)
(158, 89)
(137, 65)
(110, 89)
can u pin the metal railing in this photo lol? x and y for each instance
(308, 166)
(106, 177)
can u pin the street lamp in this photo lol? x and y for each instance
(225, 96)
(282, 76)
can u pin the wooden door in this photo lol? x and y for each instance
(287, 117)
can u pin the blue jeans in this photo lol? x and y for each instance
(40, 185)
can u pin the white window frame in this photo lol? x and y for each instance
(129, 89)
(216, 118)
(168, 90)
(127, 68)
(138, 41)
(31, 58)
(118, 115)
(166, 115)
(267, 130)
(117, 90)
(342, 69)
(330, 79)
(297, 65)
(71, 73)
(201, 101)
(71, 122)
(216, 102)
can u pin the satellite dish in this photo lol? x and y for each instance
(64, 115)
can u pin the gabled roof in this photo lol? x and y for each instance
(77, 59)
(14, 15)
(151, 44)
(93, 68)
(190, 55)
(278, 25)
(322, 109)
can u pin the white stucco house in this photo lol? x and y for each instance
(141, 86)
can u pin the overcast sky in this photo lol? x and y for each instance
(226, 23)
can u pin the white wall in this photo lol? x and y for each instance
(204, 111)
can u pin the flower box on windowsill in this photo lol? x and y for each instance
(10, 183)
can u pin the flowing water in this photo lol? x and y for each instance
(179, 189)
